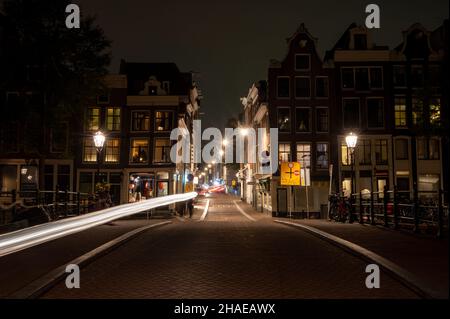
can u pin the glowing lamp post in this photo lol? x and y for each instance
(351, 140)
(99, 142)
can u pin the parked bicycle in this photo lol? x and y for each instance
(340, 209)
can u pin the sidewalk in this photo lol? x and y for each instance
(426, 258)
(19, 269)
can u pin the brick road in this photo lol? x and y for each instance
(228, 256)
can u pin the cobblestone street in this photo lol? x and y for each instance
(233, 252)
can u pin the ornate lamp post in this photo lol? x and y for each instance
(351, 141)
(99, 142)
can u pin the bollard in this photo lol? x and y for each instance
(385, 205)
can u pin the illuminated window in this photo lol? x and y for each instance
(162, 150)
(163, 121)
(435, 111)
(89, 151)
(417, 111)
(112, 150)
(303, 119)
(284, 119)
(139, 151)
(400, 112)
(93, 119)
(113, 119)
(346, 157)
(304, 154)
(284, 152)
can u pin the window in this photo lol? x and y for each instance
(365, 151)
(362, 79)
(140, 121)
(376, 78)
(360, 41)
(400, 112)
(10, 137)
(304, 154)
(113, 119)
(283, 87)
(63, 177)
(351, 113)
(435, 76)
(417, 80)
(322, 155)
(302, 62)
(284, 119)
(163, 121)
(139, 151)
(302, 87)
(375, 113)
(381, 152)
(59, 136)
(112, 150)
(346, 156)
(303, 120)
(435, 111)
(348, 78)
(284, 152)
(152, 90)
(48, 178)
(162, 151)
(417, 111)
(399, 76)
(166, 86)
(93, 119)
(89, 151)
(85, 185)
(403, 184)
(401, 149)
(322, 89)
(428, 148)
(322, 119)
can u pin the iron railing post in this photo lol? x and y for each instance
(385, 205)
(395, 208)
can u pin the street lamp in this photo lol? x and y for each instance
(99, 141)
(352, 140)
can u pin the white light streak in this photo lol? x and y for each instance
(32, 236)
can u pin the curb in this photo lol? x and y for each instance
(399, 273)
(47, 281)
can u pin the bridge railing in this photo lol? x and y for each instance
(418, 210)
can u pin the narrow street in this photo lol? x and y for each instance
(228, 253)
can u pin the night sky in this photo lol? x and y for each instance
(231, 42)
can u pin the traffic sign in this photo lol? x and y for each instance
(290, 174)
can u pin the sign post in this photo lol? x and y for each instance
(290, 176)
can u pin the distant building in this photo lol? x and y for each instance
(137, 114)
(255, 183)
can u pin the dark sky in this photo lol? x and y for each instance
(231, 42)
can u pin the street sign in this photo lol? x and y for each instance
(290, 174)
(189, 187)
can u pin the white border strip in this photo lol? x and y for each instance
(205, 211)
(401, 274)
(244, 213)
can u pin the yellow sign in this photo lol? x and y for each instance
(290, 174)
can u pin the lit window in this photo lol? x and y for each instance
(93, 119)
(303, 120)
(163, 121)
(89, 151)
(113, 119)
(435, 111)
(140, 121)
(417, 111)
(400, 112)
(112, 150)
(162, 151)
(284, 152)
(284, 119)
(304, 154)
(346, 156)
(139, 151)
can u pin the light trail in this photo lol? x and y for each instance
(32, 236)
